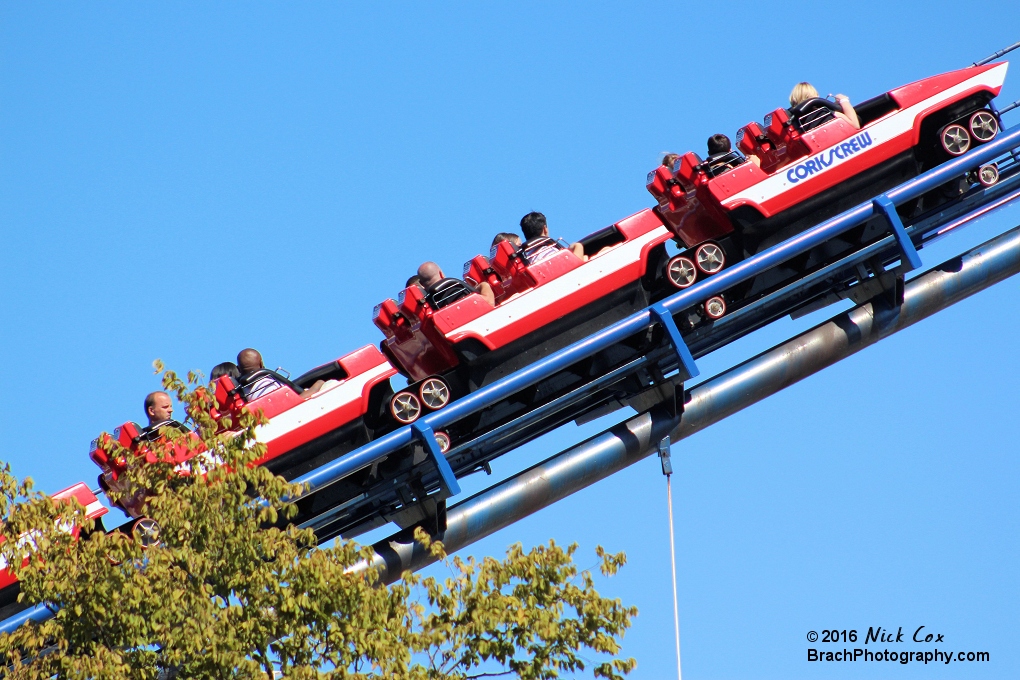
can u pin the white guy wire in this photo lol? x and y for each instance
(672, 559)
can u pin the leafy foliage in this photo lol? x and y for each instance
(234, 591)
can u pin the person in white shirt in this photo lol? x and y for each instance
(537, 244)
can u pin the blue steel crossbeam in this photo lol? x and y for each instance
(640, 321)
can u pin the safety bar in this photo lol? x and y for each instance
(998, 54)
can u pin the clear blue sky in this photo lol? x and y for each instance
(181, 181)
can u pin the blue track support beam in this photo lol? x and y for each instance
(687, 365)
(447, 480)
(38, 614)
(911, 259)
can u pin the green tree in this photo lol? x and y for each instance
(233, 591)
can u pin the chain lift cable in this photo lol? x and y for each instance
(667, 470)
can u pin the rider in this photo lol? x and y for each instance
(537, 244)
(431, 278)
(514, 239)
(256, 380)
(226, 368)
(159, 409)
(804, 91)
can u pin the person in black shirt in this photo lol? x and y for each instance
(444, 290)
(720, 152)
(159, 409)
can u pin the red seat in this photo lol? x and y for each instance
(477, 270)
(788, 142)
(505, 260)
(752, 141)
(776, 125)
(686, 171)
(667, 190)
(749, 139)
(411, 304)
(658, 183)
(386, 316)
(126, 434)
(228, 397)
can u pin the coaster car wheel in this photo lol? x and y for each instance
(955, 139)
(443, 440)
(146, 533)
(405, 407)
(983, 126)
(710, 258)
(435, 393)
(681, 271)
(988, 175)
(715, 307)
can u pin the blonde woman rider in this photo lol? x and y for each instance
(804, 91)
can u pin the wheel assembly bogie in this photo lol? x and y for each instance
(444, 441)
(685, 269)
(146, 532)
(987, 175)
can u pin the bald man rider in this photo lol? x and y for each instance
(430, 275)
(159, 409)
(256, 380)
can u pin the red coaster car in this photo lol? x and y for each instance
(93, 510)
(447, 348)
(812, 165)
(302, 434)
(134, 438)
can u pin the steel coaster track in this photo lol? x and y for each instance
(707, 403)
(900, 245)
(717, 398)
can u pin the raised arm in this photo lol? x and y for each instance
(849, 115)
